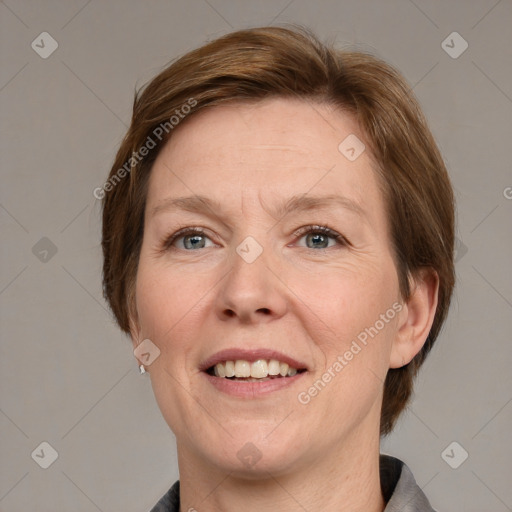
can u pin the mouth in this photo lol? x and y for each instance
(244, 379)
(251, 373)
(260, 370)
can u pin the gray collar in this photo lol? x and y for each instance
(399, 488)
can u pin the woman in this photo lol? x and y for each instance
(278, 243)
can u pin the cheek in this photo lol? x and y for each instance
(170, 305)
(165, 305)
(154, 301)
(161, 302)
(354, 351)
(344, 308)
(348, 297)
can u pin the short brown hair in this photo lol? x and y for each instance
(265, 62)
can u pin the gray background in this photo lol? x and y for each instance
(68, 377)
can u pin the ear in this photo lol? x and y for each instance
(416, 318)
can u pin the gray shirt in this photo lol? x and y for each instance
(399, 489)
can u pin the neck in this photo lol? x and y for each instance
(340, 480)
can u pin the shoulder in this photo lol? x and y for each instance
(399, 488)
(170, 501)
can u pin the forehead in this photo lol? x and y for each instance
(266, 149)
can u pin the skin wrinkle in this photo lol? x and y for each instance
(325, 454)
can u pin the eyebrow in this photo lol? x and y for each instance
(297, 203)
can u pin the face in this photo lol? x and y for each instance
(290, 257)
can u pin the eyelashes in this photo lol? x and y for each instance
(325, 232)
(182, 233)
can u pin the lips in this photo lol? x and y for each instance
(250, 355)
(253, 390)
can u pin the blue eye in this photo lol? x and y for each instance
(319, 236)
(195, 238)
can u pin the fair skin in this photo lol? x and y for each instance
(308, 296)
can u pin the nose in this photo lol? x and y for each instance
(251, 292)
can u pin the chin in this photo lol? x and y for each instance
(256, 458)
(259, 467)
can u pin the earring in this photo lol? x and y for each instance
(142, 369)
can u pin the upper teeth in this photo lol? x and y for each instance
(258, 369)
